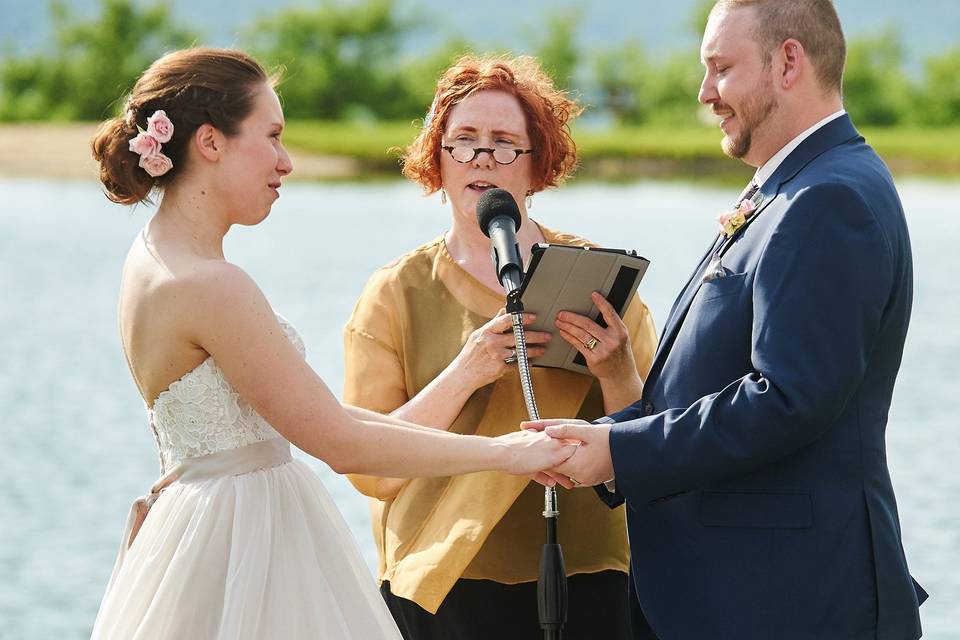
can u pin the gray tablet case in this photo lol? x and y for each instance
(561, 278)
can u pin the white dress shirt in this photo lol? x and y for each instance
(767, 168)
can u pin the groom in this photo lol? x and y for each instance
(754, 465)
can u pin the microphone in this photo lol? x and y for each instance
(499, 219)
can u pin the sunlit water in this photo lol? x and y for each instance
(76, 447)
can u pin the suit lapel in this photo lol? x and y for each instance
(680, 305)
(832, 134)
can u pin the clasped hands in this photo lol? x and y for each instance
(590, 463)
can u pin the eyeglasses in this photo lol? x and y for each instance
(463, 155)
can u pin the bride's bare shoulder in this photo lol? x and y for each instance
(220, 283)
(174, 277)
(187, 297)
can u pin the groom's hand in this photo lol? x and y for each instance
(590, 465)
(550, 477)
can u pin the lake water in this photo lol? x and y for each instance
(78, 448)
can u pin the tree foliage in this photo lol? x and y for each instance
(636, 90)
(876, 90)
(557, 48)
(92, 63)
(345, 60)
(623, 83)
(339, 61)
(418, 76)
(938, 102)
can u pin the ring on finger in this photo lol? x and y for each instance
(591, 343)
(510, 359)
(575, 482)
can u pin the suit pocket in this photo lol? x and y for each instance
(720, 287)
(756, 510)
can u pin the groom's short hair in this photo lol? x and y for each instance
(814, 23)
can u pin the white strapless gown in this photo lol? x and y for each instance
(245, 542)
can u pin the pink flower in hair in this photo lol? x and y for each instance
(144, 145)
(159, 126)
(147, 144)
(156, 164)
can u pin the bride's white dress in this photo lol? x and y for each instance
(244, 542)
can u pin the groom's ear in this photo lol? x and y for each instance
(209, 142)
(793, 63)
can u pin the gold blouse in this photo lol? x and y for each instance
(410, 322)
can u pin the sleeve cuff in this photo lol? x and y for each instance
(610, 484)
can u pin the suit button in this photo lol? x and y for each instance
(647, 408)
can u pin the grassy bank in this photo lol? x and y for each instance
(338, 151)
(626, 150)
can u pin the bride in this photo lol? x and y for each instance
(241, 541)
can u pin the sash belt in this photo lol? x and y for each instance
(232, 462)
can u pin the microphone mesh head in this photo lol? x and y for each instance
(494, 203)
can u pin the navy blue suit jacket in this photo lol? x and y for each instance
(754, 466)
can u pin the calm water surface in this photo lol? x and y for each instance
(76, 442)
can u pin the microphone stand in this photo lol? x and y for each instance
(552, 581)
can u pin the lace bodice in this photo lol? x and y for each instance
(201, 413)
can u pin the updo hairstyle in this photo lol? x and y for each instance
(194, 87)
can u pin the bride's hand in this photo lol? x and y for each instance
(528, 452)
(482, 358)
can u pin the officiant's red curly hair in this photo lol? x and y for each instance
(548, 112)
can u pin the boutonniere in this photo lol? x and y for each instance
(730, 221)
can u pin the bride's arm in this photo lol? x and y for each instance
(375, 377)
(226, 315)
(480, 362)
(366, 414)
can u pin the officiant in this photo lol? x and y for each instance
(428, 342)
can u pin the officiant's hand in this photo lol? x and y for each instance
(607, 352)
(590, 464)
(483, 358)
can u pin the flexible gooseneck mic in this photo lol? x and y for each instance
(499, 219)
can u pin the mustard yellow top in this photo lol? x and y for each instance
(410, 322)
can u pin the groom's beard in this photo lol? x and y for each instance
(753, 113)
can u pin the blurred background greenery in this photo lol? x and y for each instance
(351, 88)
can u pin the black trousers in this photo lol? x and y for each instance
(483, 610)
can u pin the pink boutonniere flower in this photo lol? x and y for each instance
(730, 221)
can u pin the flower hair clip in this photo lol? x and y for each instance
(148, 144)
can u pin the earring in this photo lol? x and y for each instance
(528, 201)
(443, 197)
